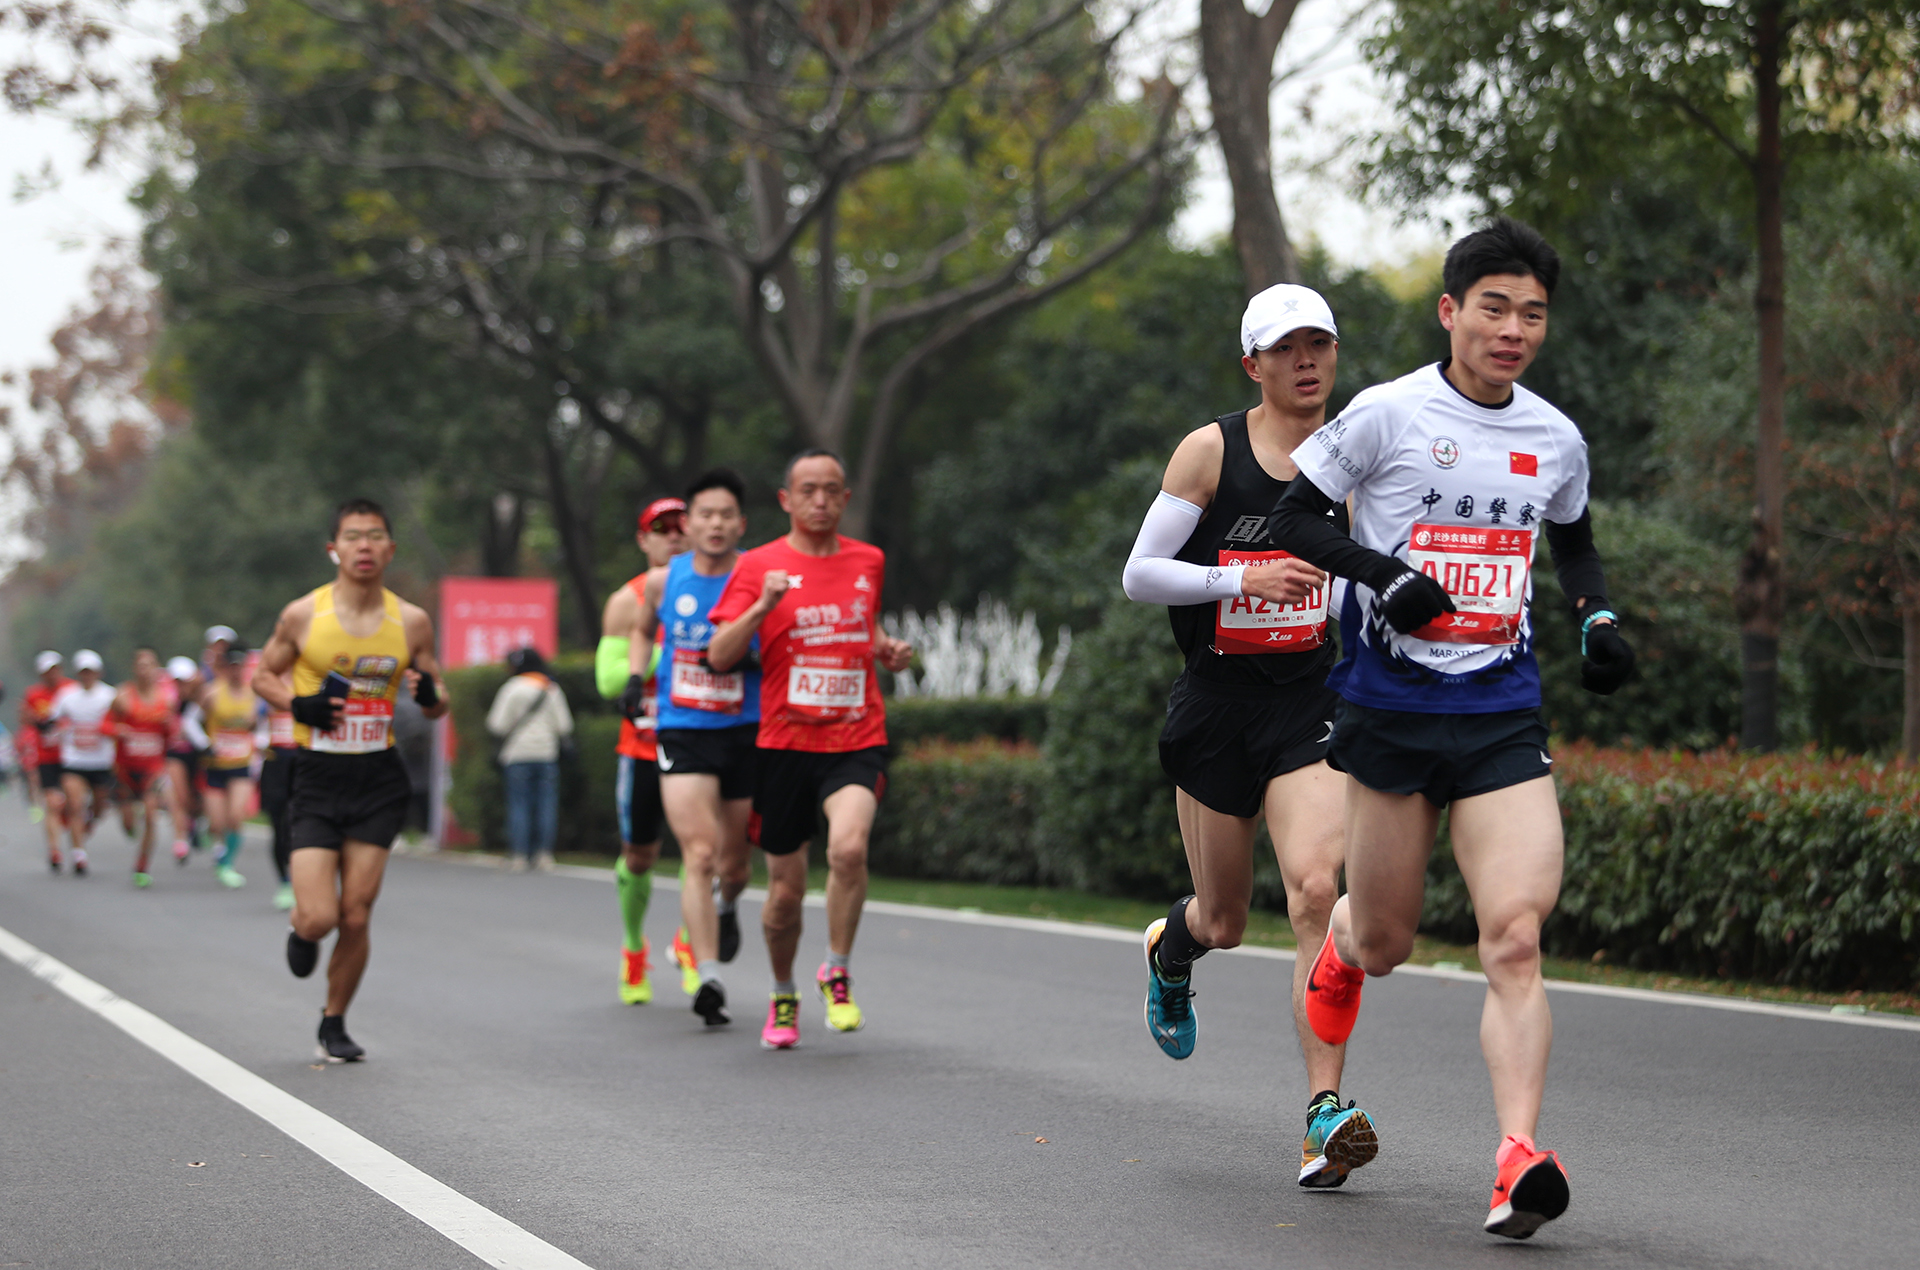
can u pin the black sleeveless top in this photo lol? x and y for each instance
(1239, 519)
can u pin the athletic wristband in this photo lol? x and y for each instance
(1587, 625)
(315, 711)
(426, 693)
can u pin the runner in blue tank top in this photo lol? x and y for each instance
(708, 723)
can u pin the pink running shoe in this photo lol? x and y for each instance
(179, 850)
(782, 1031)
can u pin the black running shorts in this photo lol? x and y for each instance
(342, 797)
(221, 777)
(276, 779)
(1222, 743)
(98, 777)
(792, 785)
(729, 753)
(636, 800)
(50, 775)
(1445, 757)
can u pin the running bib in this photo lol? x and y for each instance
(1248, 624)
(142, 745)
(823, 688)
(237, 747)
(1484, 571)
(88, 743)
(366, 729)
(280, 729)
(697, 686)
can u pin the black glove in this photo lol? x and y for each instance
(633, 698)
(315, 711)
(426, 693)
(1607, 661)
(1412, 600)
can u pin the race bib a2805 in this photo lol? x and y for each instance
(1249, 624)
(1484, 570)
(826, 688)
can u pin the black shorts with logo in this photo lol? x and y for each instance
(337, 797)
(1223, 743)
(793, 783)
(729, 753)
(1445, 757)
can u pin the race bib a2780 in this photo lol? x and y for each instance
(1249, 624)
(1484, 570)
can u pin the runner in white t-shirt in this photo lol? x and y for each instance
(78, 716)
(1453, 470)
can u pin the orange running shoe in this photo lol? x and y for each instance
(683, 958)
(1529, 1191)
(635, 987)
(1333, 994)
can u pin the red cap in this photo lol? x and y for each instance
(661, 507)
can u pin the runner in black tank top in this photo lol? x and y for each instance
(1249, 719)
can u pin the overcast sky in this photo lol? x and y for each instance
(50, 240)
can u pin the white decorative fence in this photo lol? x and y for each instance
(988, 654)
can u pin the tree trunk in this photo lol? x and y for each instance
(502, 521)
(1236, 51)
(1910, 670)
(1761, 598)
(576, 546)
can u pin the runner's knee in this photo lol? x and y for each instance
(1511, 946)
(314, 923)
(642, 856)
(1310, 899)
(1380, 951)
(847, 850)
(1217, 930)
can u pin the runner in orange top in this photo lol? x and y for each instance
(662, 536)
(142, 718)
(40, 749)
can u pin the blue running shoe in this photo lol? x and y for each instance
(1169, 1002)
(1339, 1140)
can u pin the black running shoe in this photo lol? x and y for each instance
(335, 1045)
(79, 868)
(710, 1003)
(729, 935)
(302, 955)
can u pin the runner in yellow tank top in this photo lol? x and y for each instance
(232, 711)
(351, 647)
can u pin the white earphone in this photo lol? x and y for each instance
(333, 555)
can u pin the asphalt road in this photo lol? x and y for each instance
(503, 1065)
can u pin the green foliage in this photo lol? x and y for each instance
(962, 812)
(1793, 869)
(912, 720)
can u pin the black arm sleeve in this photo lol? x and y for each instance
(1299, 524)
(1577, 563)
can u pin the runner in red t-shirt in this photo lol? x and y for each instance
(143, 717)
(40, 749)
(814, 598)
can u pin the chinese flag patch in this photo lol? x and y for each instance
(1523, 464)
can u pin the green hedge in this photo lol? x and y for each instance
(961, 811)
(914, 719)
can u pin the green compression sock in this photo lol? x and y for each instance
(636, 889)
(232, 851)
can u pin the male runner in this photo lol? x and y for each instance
(1453, 469)
(662, 536)
(276, 790)
(814, 599)
(232, 712)
(1248, 720)
(79, 715)
(142, 718)
(350, 645)
(217, 643)
(186, 749)
(707, 725)
(37, 731)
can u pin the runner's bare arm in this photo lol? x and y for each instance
(646, 621)
(892, 653)
(731, 640)
(422, 661)
(272, 681)
(1193, 473)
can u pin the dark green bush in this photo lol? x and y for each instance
(914, 719)
(961, 812)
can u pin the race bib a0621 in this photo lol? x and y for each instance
(1484, 570)
(367, 728)
(1249, 624)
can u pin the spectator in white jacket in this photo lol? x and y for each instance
(530, 715)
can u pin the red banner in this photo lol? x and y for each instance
(481, 621)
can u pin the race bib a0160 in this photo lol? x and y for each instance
(824, 688)
(698, 686)
(1249, 624)
(1485, 572)
(367, 728)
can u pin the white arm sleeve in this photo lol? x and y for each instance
(1153, 576)
(191, 728)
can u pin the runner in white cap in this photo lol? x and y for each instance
(186, 747)
(1248, 720)
(40, 747)
(86, 751)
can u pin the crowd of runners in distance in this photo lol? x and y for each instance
(190, 738)
(753, 717)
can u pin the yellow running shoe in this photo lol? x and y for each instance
(635, 987)
(683, 958)
(836, 989)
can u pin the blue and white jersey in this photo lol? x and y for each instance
(693, 694)
(1458, 490)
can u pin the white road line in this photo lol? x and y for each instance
(482, 1232)
(1119, 935)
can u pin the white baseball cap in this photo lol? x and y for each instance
(87, 659)
(1278, 310)
(182, 668)
(217, 633)
(43, 662)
